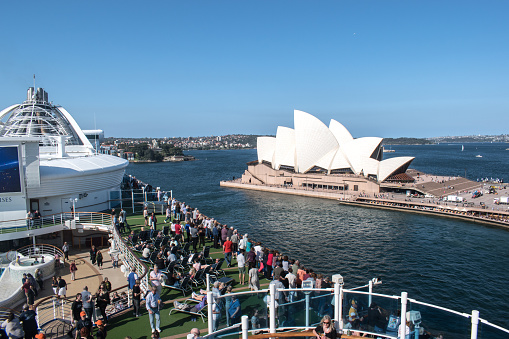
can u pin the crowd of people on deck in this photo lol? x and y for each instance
(87, 307)
(186, 230)
(22, 326)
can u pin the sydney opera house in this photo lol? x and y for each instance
(312, 155)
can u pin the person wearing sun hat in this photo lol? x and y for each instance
(101, 330)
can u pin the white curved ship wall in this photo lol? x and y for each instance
(91, 190)
(11, 295)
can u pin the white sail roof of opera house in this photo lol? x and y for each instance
(313, 147)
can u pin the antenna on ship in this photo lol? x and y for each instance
(33, 110)
(95, 137)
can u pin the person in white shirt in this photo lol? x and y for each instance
(292, 283)
(146, 252)
(241, 262)
(155, 279)
(258, 250)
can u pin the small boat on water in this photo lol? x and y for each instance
(462, 148)
(478, 156)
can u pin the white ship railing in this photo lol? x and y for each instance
(303, 309)
(20, 225)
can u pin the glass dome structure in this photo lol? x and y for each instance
(37, 117)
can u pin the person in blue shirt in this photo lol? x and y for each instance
(152, 302)
(131, 278)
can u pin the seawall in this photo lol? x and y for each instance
(289, 190)
(416, 209)
(400, 206)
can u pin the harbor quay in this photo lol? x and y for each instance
(442, 196)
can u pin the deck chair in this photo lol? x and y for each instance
(157, 243)
(198, 278)
(151, 258)
(202, 313)
(185, 249)
(183, 264)
(207, 259)
(217, 271)
(184, 287)
(169, 268)
(134, 239)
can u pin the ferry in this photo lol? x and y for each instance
(390, 150)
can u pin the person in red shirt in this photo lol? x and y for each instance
(227, 250)
(178, 231)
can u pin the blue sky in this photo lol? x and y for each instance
(196, 68)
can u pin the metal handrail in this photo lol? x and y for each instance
(61, 307)
(339, 315)
(19, 225)
(38, 249)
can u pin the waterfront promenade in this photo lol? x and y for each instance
(434, 190)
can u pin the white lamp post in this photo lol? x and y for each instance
(73, 201)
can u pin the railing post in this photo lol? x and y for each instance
(132, 198)
(37, 316)
(54, 310)
(208, 282)
(475, 324)
(129, 297)
(370, 297)
(402, 327)
(245, 326)
(210, 300)
(272, 308)
(307, 293)
(337, 304)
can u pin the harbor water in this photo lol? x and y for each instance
(451, 263)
